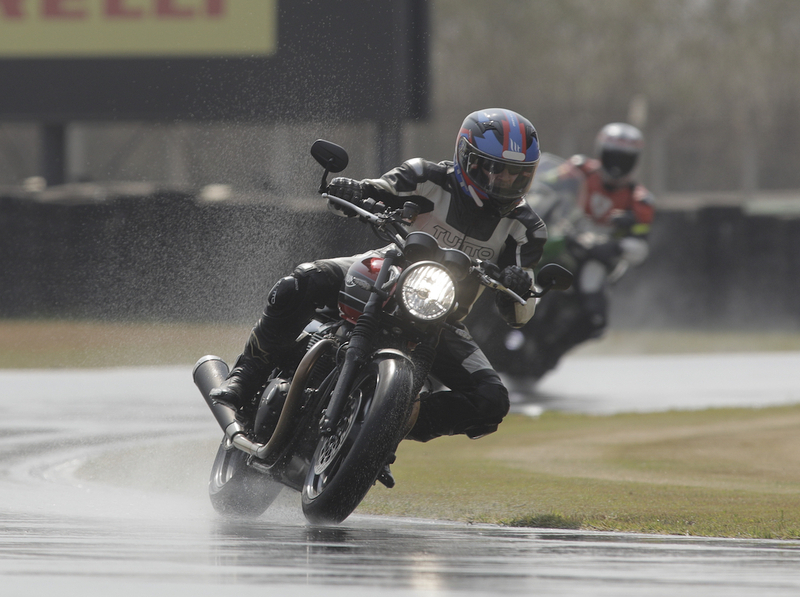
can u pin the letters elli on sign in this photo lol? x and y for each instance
(137, 28)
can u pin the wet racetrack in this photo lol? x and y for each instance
(62, 535)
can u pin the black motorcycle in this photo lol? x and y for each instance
(328, 424)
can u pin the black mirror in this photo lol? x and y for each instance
(330, 156)
(554, 277)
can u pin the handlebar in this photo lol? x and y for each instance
(392, 222)
(380, 220)
(369, 216)
(495, 285)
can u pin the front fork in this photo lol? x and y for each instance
(359, 347)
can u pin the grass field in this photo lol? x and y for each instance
(721, 472)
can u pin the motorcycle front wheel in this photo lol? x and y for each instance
(235, 489)
(347, 462)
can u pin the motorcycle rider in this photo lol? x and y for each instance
(474, 203)
(615, 207)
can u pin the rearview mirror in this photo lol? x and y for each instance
(330, 156)
(554, 277)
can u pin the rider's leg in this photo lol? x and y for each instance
(476, 400)
(290, 304)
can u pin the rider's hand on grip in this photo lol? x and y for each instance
(516, 279)
(347, 189)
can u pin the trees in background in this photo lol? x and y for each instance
(715, 84)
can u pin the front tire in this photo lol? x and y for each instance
(346, 463)
(235, 489)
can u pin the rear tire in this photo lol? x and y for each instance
(235, 489)
(346, 464)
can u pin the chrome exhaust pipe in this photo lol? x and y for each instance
(208, 373)
(211, 371)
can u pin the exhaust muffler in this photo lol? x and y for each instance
(208, 373)
(211, 371)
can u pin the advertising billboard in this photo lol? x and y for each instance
(244, 60)
(63, 29)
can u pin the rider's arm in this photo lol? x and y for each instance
(634, 226)
(409, 181)
(402, 183)
(643, 211)
(524, 248)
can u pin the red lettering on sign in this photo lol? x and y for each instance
(11, 9)
(116, 9)
(215, 8)
(169, 8)
(58, 9)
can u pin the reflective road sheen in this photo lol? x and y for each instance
(61, 535)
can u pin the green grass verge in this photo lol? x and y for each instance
(60, 343)
(720, 473)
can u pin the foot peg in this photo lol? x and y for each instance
(385, 476)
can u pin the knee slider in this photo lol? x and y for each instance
(284, 294)
(494, 403)
(500, 403)
(319, 282)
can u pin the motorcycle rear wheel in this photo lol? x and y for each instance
(235, 489)
(347, 463)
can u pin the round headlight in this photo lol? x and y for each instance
(426, 291)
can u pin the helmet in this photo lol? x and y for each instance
(497, 152)
(618, 146)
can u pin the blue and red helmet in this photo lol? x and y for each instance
(497, 152)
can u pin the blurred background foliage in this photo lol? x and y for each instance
(713, 83)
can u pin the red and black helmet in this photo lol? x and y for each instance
(618, 146)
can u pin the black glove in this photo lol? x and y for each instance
(516, 279)
(346, 188)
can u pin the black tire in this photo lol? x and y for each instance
(346, 464)
(235, 489)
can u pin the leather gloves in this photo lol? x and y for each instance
(516, 279)
(346, 188)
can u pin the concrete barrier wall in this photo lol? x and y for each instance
(168, 257)
(715, 267)
(158, 257)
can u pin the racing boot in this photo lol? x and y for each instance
(242, 388)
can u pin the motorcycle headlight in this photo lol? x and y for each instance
(426, 291)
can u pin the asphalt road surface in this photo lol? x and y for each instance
(62, 535)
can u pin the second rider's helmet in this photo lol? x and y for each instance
(497, 152)
(618, 146)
